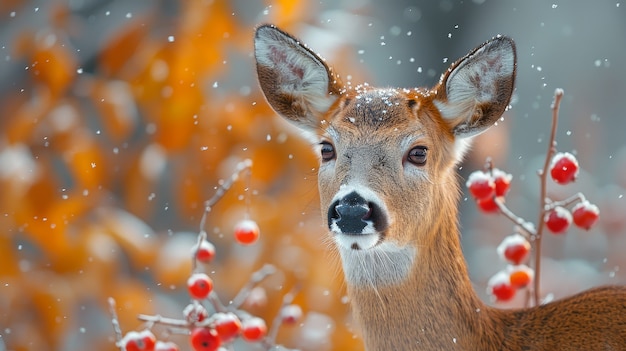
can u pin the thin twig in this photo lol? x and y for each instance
(177, 326)
(579, 197)
(278, 320)
(202, 236)
(524, 225)
(116, 323)
(163, 320)
(221, 190)
(216, 302)
(255, 279)
(543, 177)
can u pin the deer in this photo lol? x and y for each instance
(388, 187)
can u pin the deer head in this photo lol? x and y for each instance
(387, 179)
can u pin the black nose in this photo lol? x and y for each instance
(352, 214)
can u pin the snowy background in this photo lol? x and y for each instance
(117, 119)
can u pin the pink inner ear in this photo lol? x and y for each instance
(280, 59)
(485, 75)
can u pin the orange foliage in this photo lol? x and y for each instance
(105, 166)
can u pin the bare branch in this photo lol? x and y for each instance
(579, 197)
(525, 226)
(242, 166)
(158, 319)
(216, 302)
(278, 320)
(116, 323)
(543, 177)
(255, 279)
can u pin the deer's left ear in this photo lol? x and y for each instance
(476, 90)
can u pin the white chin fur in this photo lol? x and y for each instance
(380, 265)
(357, 241)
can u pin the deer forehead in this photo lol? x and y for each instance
(369, 115)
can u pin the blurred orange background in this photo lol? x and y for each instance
(118, 120)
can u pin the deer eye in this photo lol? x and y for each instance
(417, 155)
(327, 151)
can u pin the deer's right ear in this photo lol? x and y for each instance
(296, 82)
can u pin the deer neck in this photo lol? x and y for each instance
(433, 307)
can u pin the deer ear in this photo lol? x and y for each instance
(296, 82)
(476, 90)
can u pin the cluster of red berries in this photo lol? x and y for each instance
(210, 331)
(224, 328)
(564, 170)
(490, 187)
(515, 250)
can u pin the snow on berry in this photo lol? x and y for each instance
(520, 276)
(227, 326)
(246, 232)
(199, 286)
(253, 329)
(195, 312)
(205, 252)
(139, 341)
(481, 185)
(165, 346)
(514, 249)
(564, 168)
(585, 214)
(500, 288)
(558, 220)
(502, 180)
(256, 298)
(291, 314)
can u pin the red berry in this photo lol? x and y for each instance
(564, 168)
(227, 326)
(195, 312)
(488, 204)
(514, 249)
(199, 286)
(204, 339)
(291, 314)
(246, 232)
(139, 341)
(205, 252)
(585, 214)
(520, 276)
(253, 329)
(502, 180)
(499, 286)
(558, 220)
(165, 346)
(481, 185)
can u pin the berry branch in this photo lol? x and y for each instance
(221, 190)
(543, 176)
(289, 314)
(489, 188)
(524, 226)
(254, 280)
(210, 331)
